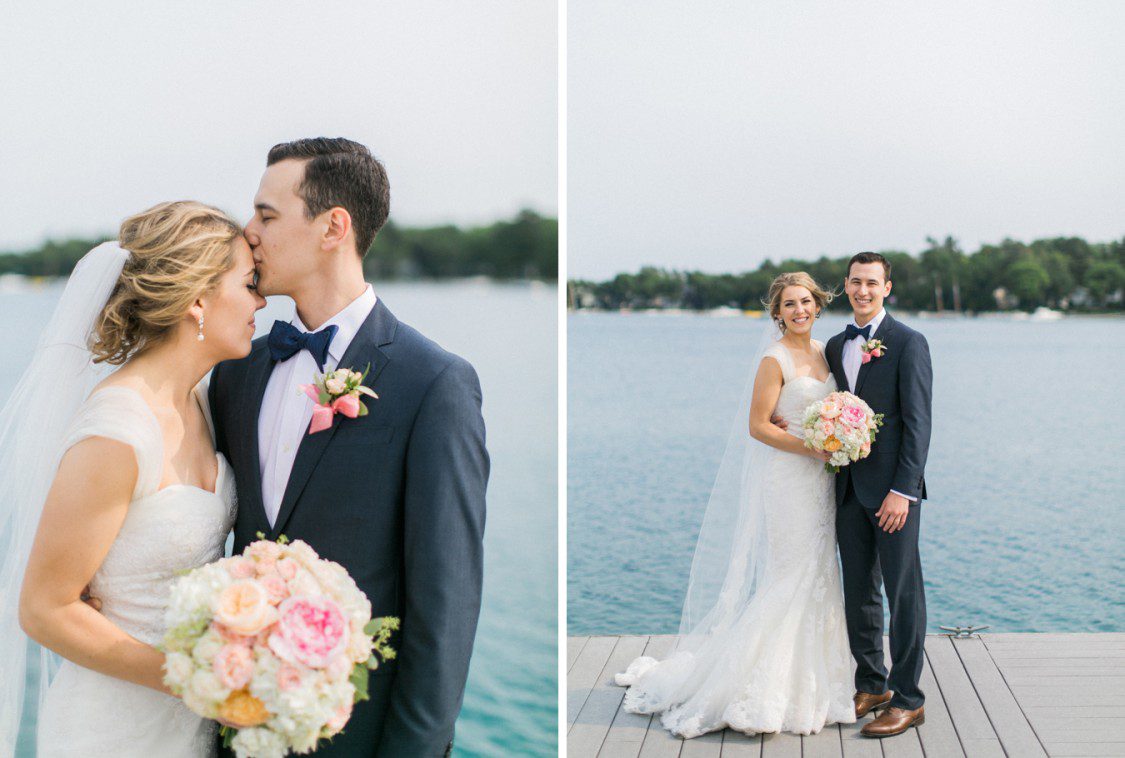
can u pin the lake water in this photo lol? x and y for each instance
(509, 333)
(1024, 527)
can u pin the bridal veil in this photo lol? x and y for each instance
(33, 422)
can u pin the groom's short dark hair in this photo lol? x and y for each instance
(341, 173)
(868, 257)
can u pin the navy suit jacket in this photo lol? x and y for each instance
(397, 498)
(899, 385)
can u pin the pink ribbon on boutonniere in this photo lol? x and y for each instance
(337, 392)
(323, 413)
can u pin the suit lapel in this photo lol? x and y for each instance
(885, 327)
(261, 366)
(835, 352)
(377, 329)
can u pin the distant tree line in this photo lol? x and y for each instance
(1066, 273)
(525, 247)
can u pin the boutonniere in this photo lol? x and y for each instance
(337, 392)
(872, 349)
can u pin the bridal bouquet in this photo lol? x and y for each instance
(843, 425)
(276, 642)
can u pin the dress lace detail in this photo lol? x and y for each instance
(784, 664)
(165, 532)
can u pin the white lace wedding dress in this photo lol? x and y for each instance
(784, 663)
(165, 531)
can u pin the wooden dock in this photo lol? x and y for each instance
(988, 695)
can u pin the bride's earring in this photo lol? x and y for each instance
(200, 337)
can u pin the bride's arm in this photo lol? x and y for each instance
(767, 389)
(83, 513)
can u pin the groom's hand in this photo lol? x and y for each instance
(89, 599)
(893, 512)
(779, 422)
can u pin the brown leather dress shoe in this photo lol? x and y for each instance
(865, 702)
(893, 721)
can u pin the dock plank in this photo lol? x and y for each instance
(973, 727)
(589, 730)
(658, 742)
(628, 730)
(824, 744)
(574, 646)
(709, 745)
(584, 674)
(938, 735)
(781, 745)
(855, 745)
(739, 745)
(1008, 720)
(1064, 638)
(1085, 749)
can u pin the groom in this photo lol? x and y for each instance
(398, 496)
(879, 498)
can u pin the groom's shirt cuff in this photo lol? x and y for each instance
(908, 497)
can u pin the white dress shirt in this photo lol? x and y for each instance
(286, 411)
(853, 356)
(852, 359)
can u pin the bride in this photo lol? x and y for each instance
(120, 475)
(763, 645)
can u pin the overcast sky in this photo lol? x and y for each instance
(714, 135)
(107, 108)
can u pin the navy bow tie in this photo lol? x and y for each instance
(851, 331)
(286, 340)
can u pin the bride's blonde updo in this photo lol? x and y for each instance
(177, 252)
(772, 302)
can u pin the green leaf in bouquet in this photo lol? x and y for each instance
(182, 637)
(323, 397)
(228, 735)
(282, 539)
(260, 535)
(377, 626)
(380, 629)
(362, 410)
(373, 662)
(359, 681)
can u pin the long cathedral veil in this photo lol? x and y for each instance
(731, 551)
(731, 555)
(33, 422)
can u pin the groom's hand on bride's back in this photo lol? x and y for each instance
(90, 600)
(779, 422)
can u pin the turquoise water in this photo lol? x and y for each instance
(1023, 528)
(509, 334)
